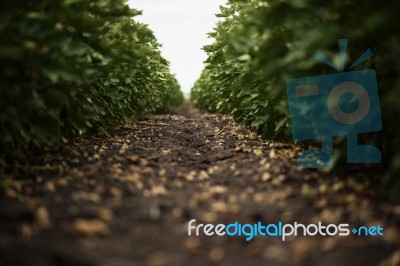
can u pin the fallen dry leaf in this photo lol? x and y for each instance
(43, 218)
(88, 227)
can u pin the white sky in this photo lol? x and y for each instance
(181, 26)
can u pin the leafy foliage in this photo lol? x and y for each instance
(259, 44)
(71, 65)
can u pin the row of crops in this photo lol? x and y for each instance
(72, 65)
(259, 44)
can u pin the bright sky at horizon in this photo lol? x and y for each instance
(181, 26)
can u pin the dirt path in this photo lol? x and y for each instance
(127, 201)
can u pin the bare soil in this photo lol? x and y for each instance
(127, 200)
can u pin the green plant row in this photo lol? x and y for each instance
(71, 65)
(259, 44)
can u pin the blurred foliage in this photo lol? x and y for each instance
(259, 44)
(71, 65)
